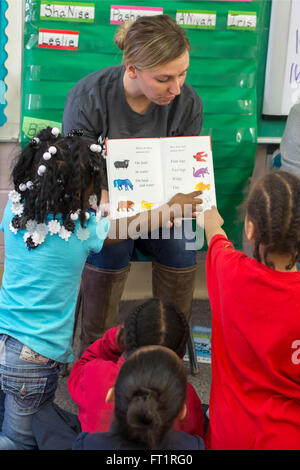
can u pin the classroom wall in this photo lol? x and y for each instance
(12, 55)
(10, 131)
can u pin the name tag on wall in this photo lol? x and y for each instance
(58, 39)
(196, 19)
(121, 13)
(67, 11)
(241, 20)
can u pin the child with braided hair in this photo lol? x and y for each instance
(255, 303)
(149, 395)
(48, 234)
(157, 321)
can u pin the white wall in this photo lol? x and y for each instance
(10, 131)
(282, 81)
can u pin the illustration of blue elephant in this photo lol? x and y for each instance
(120, 184)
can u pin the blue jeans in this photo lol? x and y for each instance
(27, 382)
(173, 248)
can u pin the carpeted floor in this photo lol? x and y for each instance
(201, 315)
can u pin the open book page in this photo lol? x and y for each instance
(188, 166)
(134, 175)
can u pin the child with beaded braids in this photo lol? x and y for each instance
(48, 235)
(156, 321)
(255, 303)
(149, 395)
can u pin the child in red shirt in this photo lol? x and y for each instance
(156, 322)
(149, 396)
(255, 303)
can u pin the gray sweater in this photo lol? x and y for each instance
(97, 104)
(290, 143)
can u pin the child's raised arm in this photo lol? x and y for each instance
(213, 224)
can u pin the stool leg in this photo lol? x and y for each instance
(192, 353)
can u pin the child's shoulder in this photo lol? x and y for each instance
(180, 440)
(221, 252)
(221, 242)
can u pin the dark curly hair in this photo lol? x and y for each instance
(159, 322)
(72, 173)
(273, 206)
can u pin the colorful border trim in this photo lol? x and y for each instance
(3, 58)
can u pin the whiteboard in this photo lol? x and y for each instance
(282, 81)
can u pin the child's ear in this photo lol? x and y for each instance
(110, 395)
(131, 71)
(182, 413)
(249, 230)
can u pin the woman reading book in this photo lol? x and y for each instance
(146, 96)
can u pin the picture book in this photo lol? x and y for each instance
(202, 340)
(145, 173)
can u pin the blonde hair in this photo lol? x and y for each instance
(151, 41)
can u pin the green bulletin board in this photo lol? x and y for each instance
(225, 70)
